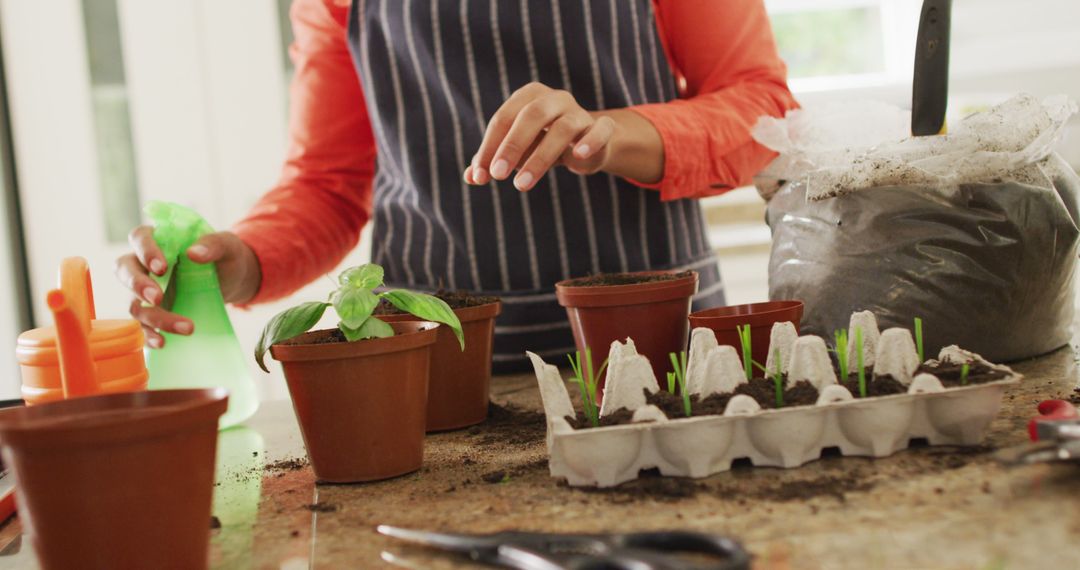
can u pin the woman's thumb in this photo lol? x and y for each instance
(209, 248)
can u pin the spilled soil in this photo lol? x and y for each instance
(510, 426)
(604, 279)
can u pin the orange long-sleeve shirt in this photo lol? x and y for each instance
(723, 54)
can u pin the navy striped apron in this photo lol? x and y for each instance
(433, 72)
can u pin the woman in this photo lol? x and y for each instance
(614, 114)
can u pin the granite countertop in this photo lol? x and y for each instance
(929, 507)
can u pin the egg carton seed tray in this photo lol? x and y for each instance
(699, 446)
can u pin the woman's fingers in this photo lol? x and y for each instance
(595, 139)
(498, 127)
(147, 250)
(153, 338)
(209, 248)
(536, 117)
(159, 319)
(556, 141)
(132, 274)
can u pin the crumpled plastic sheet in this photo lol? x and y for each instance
(984, 253)
(839, 149)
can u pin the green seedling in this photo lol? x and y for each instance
(964, 373)
(354, 301)
(778, 379)
(679, 375)
(918, 339)
(841, 351)
(587, 381)
(747, 353)
(859, 362)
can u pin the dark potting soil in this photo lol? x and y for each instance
(215, 523)
(321, 507)
(949, 374)
(456, 300)
(603, 279)
(875, 386)
(763, 391)
(510, 426)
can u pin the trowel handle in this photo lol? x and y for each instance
(78, 373)
(78, 290)
(1051, 411)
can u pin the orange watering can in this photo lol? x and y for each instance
(80, 355)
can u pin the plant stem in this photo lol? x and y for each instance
(859, 362)
(842, 353)
(587, 387)
(747, 353)
(778, 379)
(964, 373)
(919, 340)
(679, 364)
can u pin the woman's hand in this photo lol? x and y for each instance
(237, 267)
(539, 127)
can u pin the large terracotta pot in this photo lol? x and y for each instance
(760, 316)
(652, 313)
(361, 405)
(460, 381)
(116, 481)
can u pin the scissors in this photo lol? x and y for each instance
(631, 551)
(1055, 436)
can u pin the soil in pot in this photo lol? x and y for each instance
(460, 381)
(361, 405)
(117, 481)
(949, 374)
(649, 307)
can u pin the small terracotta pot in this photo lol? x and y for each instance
(116, 481)
(361, 405)
(459, 383)
(760, 316)
(653, 314)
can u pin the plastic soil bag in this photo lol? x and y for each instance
(975, 231)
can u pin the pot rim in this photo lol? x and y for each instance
(111, 419)
(464, 314)
(409, 335)
(571, 296)
(755, 314)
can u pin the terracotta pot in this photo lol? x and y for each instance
(459, 383)
(116, 481)
(361, 405)
(653, 314)
(760, 316)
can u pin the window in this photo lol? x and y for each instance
(112, 120)
(834, 44)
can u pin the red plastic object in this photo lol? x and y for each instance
(1049, 411)
(760, 316)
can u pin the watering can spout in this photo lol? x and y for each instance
(77, 369)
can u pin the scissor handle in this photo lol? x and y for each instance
(632, 551)
(1049, 411)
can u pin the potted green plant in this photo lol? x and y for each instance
(650, 306)
(460, 380)
(359, 391)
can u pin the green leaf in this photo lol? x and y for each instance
(288, 324)
(373, 327)
(426, 307)
(353, 305)
(366, 276)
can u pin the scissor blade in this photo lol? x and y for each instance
(454, 542)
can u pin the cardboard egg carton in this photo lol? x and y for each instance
(699, 446)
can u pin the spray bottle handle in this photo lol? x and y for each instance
(78, 290)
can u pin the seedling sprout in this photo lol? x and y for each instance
(918, 339)
(679, 364)
(859, 361)
(747, 354)
(841, 351)
(964, 373)
(587, 381)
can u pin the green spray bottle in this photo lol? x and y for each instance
(211, 356)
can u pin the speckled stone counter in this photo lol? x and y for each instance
(929, 507)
